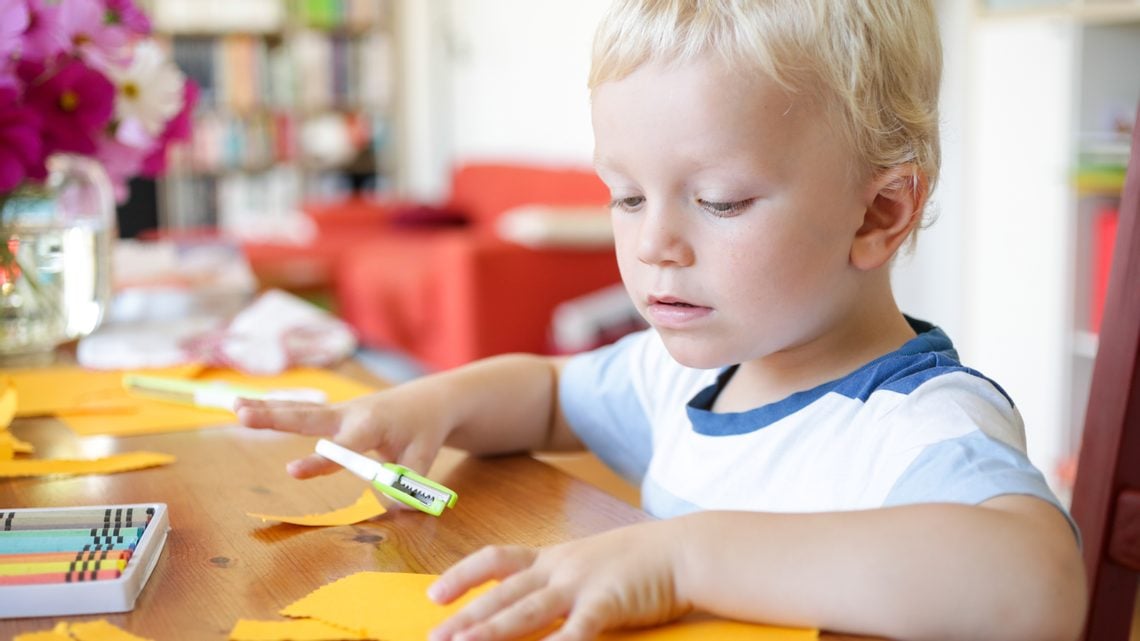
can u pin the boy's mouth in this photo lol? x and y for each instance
(671, 301)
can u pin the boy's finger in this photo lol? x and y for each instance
(492, 562)
(310, 466)
(313, 419)
(535, 611)
(584, 622)
(487, 605)
(417, 457)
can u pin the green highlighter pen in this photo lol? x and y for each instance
(395, 481)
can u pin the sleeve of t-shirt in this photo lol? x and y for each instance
(599, 400)
(977, 465)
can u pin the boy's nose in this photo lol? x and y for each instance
(662, 239)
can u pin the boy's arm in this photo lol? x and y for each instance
(506, 404)
(502, 404)
(1007, 569)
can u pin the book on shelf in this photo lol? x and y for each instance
(1104, 239)
(294, 104)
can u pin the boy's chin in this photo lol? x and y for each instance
(693, 352)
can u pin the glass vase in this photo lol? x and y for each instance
(55, 257)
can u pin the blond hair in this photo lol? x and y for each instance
(875, 65)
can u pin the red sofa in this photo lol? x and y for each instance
(407, 278)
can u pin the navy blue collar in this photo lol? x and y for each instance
(929, 354)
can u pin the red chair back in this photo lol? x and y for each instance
(1106, 496)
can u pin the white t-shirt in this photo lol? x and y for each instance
(913, 426)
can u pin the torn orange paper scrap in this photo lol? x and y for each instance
(58, 633)
(7, 402)
(383, 605)
(366, 507)
(10, 446)
(293, 630)
(101, 630)
(105, 465)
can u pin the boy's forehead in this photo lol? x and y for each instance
(703, 103)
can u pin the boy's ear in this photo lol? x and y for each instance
(896, 199)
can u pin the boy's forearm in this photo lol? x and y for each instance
(500, 404)
(917, 572)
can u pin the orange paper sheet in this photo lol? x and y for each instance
(395, 607)
(44, 391)
(293, 630)
(382, 605)
(94, 402)
(365, 507)
(105, 465)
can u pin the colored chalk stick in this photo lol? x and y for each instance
(68, 557)
(23, 545)
(60, 577)
(11, 569)
(97, 517)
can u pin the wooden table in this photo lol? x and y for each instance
(220, 565)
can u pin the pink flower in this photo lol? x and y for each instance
(84, 25)
(21, 151)
(14, 19)
(125, 12)
(43, 39)
(75, 101)
(177, 129)
(122, 162)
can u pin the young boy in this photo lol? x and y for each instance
(816, 457)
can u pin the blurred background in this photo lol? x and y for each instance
(422, 169)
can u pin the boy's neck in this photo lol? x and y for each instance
(840, 352)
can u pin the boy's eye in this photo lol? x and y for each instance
(725, 208)
(627, 204)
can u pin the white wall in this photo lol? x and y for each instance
(518, 75)
(928, 282)
(495, 80)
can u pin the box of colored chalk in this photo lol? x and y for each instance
(77, 560)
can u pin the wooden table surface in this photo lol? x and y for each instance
(220, 565)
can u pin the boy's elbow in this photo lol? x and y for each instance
(1054, 606)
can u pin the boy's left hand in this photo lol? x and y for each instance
(622, 578)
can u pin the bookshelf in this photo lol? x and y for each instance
(297, 102)
(1056, 92)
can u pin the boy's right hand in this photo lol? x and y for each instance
(380, 421)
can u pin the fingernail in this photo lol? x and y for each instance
(435, 592)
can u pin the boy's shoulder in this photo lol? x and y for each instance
(919, 366)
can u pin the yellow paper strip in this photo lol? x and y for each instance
(106, 465)
(101, 630)
(365, 507)
(293, 630)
